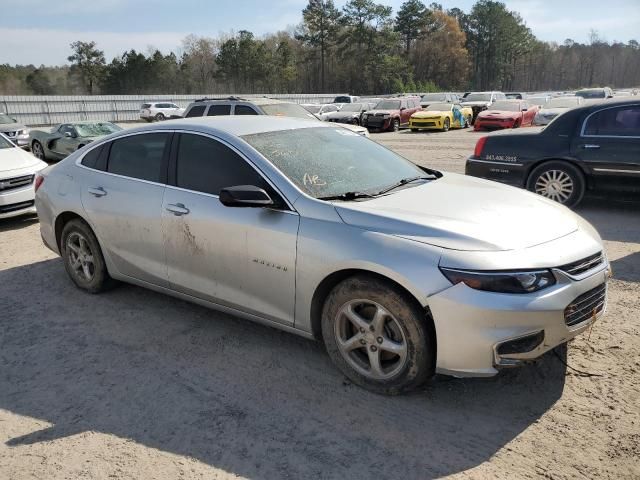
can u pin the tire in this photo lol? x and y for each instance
(516, 124)
(557, 180)
(467, 122)
(395, 125)
(403, 327)
(77, 244)
(355, 121)
(37, 150)
(447, 125)
(414, 130)
(160, 117)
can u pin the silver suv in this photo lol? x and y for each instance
(299, 224)
(14, 131)
(210, 107)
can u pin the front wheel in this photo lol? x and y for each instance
(378, 336)
(37, 150)
(559, 181)
(83, 258)
(395, 125)
(447, 125)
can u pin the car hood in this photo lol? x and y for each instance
(476, 104)
(463, 213)
(342, 115)
(16, 159)
(11, 127)
(499, 114)
(429, 113)
(382, 112)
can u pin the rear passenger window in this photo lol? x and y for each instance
(206, 165)
(197, 111)
(615, 122)
(245, 110)
(215, 110)
(90, 160)
(138, 156)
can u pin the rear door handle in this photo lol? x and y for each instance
(97, 191)
(177, 209)
(591, 146)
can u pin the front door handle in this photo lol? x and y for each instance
(591, 146)
(97, 191)
(177, 209)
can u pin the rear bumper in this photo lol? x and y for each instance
(472, 325)
(509, 173)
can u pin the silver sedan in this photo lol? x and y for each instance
(401, 271)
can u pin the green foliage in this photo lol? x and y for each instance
(89, 62)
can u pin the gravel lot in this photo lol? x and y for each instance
(134, 384)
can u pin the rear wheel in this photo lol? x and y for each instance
(377, 336)
(37, 150)
(83, 258)
(559, 181)
(467, 122)
(160, 117)
(446, 125)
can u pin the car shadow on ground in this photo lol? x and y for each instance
(17, 223)
(236, 395)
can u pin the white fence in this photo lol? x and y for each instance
(50, 110)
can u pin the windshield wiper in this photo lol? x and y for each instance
(347, 196)
(405, 181)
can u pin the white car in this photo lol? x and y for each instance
(160, 111)
(321, 111)
(17, 172)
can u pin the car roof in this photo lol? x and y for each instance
(237, 125)
(256, 101)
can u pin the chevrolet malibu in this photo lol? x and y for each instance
(400, 271)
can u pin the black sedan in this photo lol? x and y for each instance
(595, 147)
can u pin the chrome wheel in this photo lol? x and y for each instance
(370, 339)
(80, 257)
(555, 184)
(37, 150)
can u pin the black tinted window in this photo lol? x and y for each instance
(619, 122)
(196, 111)
(205, 165)
(91, 159)
(245, 110)
(138, 156)
(215, 110)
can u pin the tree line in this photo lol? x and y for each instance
(362, 48)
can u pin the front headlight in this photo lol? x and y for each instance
(23, 132)
(501, 282)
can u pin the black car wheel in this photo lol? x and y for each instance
(446, 125)
(395, 125)
(37, 150)
(558, 181)
(378, 336)
(160, 117)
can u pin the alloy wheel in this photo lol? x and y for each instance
(370, 339)
(555, 185)
(37, 151)
(80, 256)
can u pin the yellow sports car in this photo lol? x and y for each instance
(441, 116)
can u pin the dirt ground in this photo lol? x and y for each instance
(134, 384)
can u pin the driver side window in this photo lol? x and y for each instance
(66, 128)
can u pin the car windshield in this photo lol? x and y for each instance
(596, 93)
(4, 119)
(351, 107)
(4, 143)
(312, 108)
(478, 97)
(96, 129)
(566, 102)
(342, 100)
(438, 107)
(388, 105)
(434, 97)
(326, 162)
(507, 106)
(286, 110)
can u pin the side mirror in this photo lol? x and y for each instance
(525, 109)
(402, 109)
(68, 134)
(245, 196)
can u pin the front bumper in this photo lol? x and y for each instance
(493, 124)
(426, 123)
(377, 122)
(471, 324)
(17, 202)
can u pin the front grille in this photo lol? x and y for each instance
(375, 121)
(422, 123)
(11, 135)
(583, 265)
(14, 207)
(15, 182)
(586, 306)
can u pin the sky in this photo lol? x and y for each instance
(40, 31)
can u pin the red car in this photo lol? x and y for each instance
(391, 114)
(506, 114)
